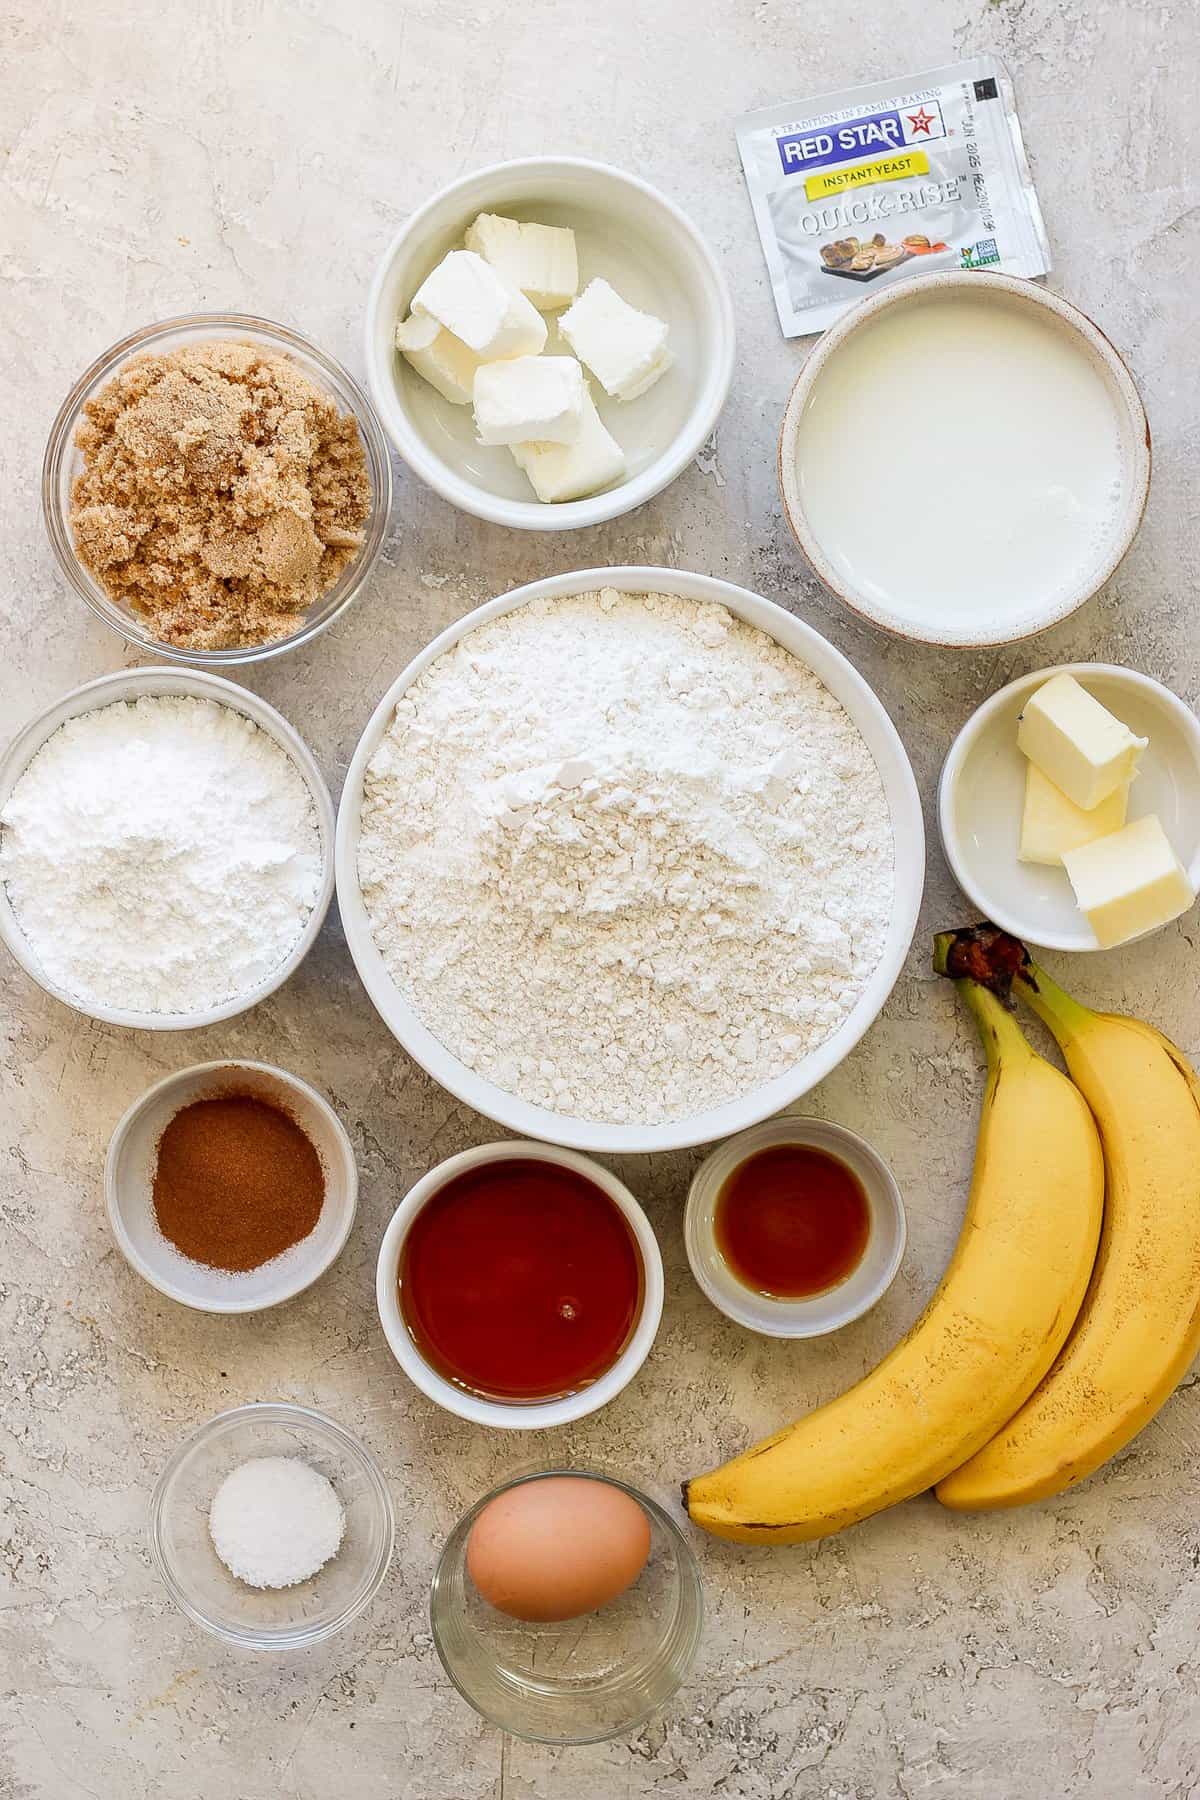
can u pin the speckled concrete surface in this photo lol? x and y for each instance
(257, 155)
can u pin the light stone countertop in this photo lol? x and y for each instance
(257, 155)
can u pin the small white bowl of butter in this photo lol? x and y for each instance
(964, 459)
(626, 235)
(982, 798)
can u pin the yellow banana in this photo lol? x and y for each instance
(1139, 1326)
(992, 1329)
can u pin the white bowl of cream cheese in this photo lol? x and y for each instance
(629, 233)
(964, 459)
(573, 1127)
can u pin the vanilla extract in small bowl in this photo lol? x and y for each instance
(795, 1227)
(792, 1221)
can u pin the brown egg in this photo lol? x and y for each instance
(557, 1547)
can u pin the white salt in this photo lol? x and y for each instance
(275, 1520)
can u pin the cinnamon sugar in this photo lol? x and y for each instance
(222, 493)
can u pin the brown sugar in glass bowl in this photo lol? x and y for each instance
(64, 464)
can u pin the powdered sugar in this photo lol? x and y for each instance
(625, 856)
(161, 855)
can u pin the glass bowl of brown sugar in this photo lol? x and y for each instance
(216, 488)
(231, 1186)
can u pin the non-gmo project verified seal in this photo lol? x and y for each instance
(978, 256)
(871, 134)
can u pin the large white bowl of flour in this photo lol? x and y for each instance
(629, 877)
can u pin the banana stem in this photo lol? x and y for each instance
(982, 959)
(1061, 1015)
(984, 953)
(981, 962)
(999, 1030)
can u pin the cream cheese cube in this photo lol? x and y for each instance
(441, 358)
(569, 471)
(626, 350)
(541, 260)
(1051, 824)
(466, 295)
(1130, 882)
(1075, 741)
(537, 398)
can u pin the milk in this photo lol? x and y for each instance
(959, 462)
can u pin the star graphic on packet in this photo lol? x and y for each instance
(920, 121)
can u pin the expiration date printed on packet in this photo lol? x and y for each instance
(856, 190)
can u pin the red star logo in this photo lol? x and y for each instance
(920, 121)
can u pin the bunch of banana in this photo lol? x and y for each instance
(1139, 1326)
(982, 1345)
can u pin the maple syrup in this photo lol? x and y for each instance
(520, 1280)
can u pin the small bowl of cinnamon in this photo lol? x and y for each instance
(231, 1186)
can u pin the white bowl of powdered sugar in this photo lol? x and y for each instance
(165, 849)
(629, 859)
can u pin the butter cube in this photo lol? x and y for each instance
(444, 361)
(626, 350)
(1077, 743)
(529, 397)
(541, 260)
(1052, 824)
(1129, 882)
(466, 295)
(568, 471)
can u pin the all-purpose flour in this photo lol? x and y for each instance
(161, 855)
(625, 856)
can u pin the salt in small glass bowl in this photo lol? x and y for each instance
(63, 462)
(196, 1578)
(581, 1680)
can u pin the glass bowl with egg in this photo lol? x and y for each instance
(549, 1542)
(64, 463)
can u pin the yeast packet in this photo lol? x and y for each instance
(856, 190)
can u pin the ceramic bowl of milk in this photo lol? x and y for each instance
(964, 459)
